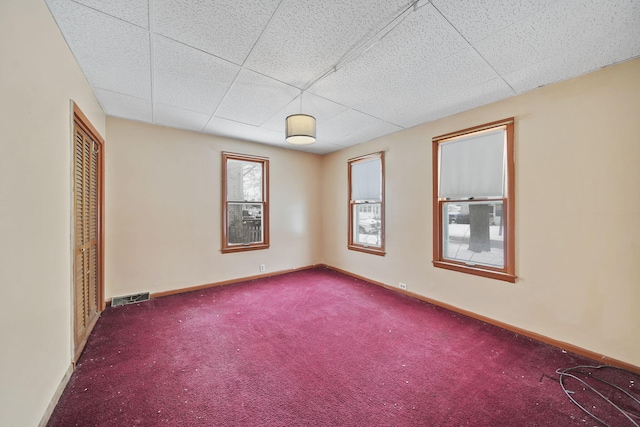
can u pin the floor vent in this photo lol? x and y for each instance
(129, 299)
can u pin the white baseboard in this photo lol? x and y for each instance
(56, 397)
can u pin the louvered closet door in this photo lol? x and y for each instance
(86, 275)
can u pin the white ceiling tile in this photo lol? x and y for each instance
(224, 28)
(231, 129)
(559, 41)
(189, 78)
(456, 102)
(456, 73)
(178, 118)
(133, 11)
(320, 108)
(306, 38)
(345, 124)
(125, 106)
(376, 130)
(253, 98)
(114, 55)
(478, 19)
(423, 38)
(548, 71)
(462, 70)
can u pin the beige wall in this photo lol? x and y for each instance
(578, 210)
(578, 207)
(38, 77)
(163, 209)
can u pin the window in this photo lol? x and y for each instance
(473, 201)
(366, 203)
(245, 184)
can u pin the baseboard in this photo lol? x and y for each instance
(56, 397)
(231, 281)
(533, 335)
(222, 283)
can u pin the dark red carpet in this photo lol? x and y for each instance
(311, 348)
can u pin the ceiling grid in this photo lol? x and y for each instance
(364, 68)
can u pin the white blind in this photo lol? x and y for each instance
(473, 166)
(366, 180)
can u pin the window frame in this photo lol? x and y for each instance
(351, 244)
(507, 272)
(241, 247)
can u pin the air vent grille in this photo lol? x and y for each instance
(129, 299)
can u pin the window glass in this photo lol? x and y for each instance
(367, 224)
(244, 181)
(366, 204)
(245, 222)
(481, 245)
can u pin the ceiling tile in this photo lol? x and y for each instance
(478, 19)
(125, 106)
(133, 11)
(376, 130)
(345, 124)
(189, 78)
(113, 54)
(304, 39)
(564, 40)
(178, 118)
(456, 102)
(456, 73)
(253, 98)
(224, 28)
(548, 71)
(231, 129)
(423, 38)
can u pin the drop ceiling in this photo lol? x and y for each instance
(363, 68)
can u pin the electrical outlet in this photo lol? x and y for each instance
(402, 286)
(262, 268)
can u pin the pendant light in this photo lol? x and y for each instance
(300, 129)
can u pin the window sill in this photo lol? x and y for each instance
(242, 248)
(367, 250)
(477, 271)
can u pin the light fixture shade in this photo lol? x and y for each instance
(300, 129)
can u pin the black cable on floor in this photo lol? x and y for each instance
(580, 370)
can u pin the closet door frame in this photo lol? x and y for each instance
(81, 120)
